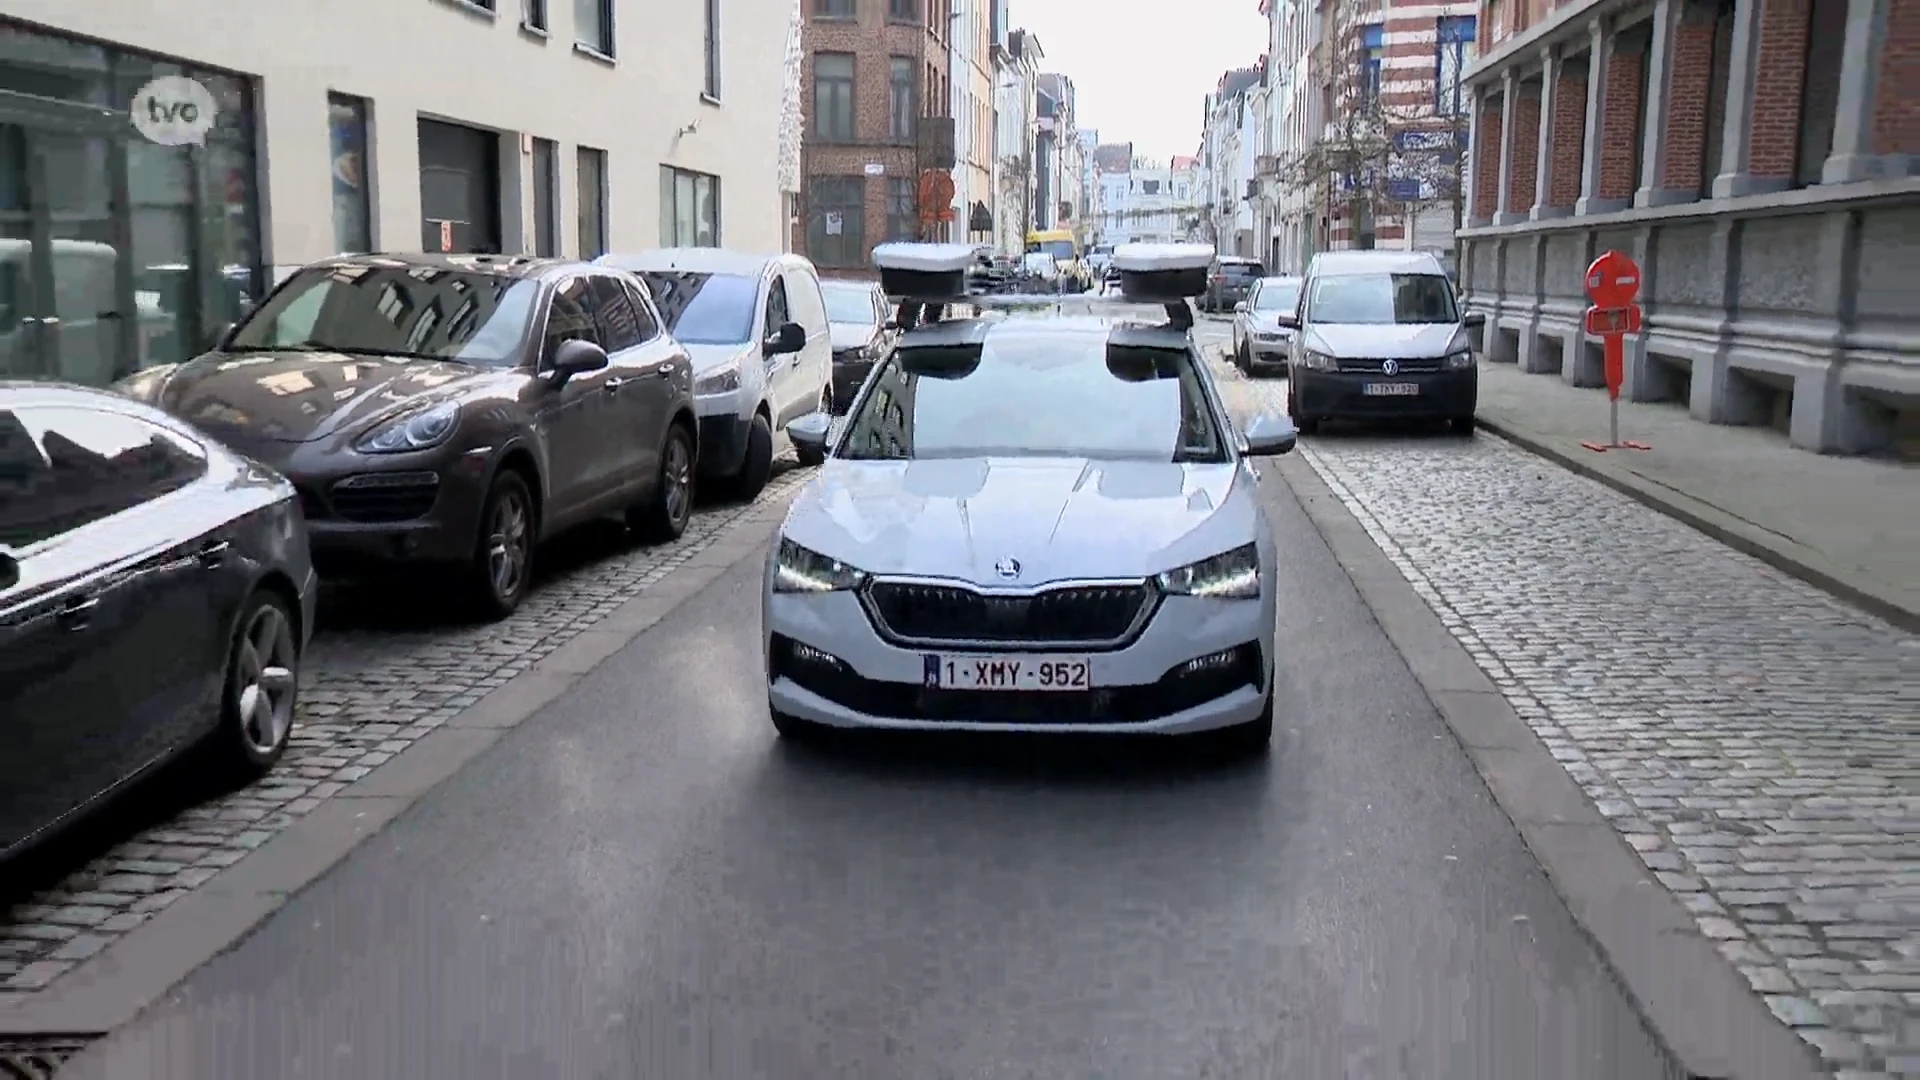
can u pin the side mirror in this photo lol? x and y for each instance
(1270, 435)
(217, 336)
(810, 431)
(791, 338)
(9, 570)
(1240, 308)
(1475, 320)
(577, 357)
(1288, 320)
(890, 325)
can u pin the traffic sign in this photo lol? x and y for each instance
(1603, 322)
(936, 196)
(1613, 281)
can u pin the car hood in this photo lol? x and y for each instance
(708, 357)
(851, 335)
(1383, 341)
(302, 397)
(1059, 518)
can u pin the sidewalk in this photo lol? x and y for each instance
(1846, 525)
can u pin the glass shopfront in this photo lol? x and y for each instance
(116, 252)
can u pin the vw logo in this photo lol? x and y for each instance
(1008, 567)
(1390, 367)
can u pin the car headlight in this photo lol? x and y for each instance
(1234, 575)
(1459, 361)
(719, 380)
(415, 431)
(803, 570)
(1317, 361)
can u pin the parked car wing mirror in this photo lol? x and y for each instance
(890, 325)
(790, 338)
(1288, 319)
(9, 570)
(1475, 320)
(578, 357)
(810, 432)
(1240, 308)
(1270, 435)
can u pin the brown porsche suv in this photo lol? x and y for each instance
(452, 410)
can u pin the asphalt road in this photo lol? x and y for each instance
(642, 882)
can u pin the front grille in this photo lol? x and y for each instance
(375, 498)
(1178, 690)
(1085, 615)
(1425, 366)
(311, 504)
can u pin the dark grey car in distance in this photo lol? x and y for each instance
(156, 596)
(452, 410)
(863, 333)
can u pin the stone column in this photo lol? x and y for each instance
(1659, 106)
(1600, 59)
(1765, 49)
(1853, 157)
(1469, 204)
(1550, 68)
(1504, 213)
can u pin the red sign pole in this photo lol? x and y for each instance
(1613, 282)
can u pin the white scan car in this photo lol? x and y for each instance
(1031, 522)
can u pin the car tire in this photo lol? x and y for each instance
(1245, 359)
(757, 467)
(259, 691)
(1305, 425)
(812, 458)
(1251, 739)
(664, 514)
(502, 568)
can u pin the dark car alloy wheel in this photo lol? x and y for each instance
(665, 514)
(263, 681)
(503, 559)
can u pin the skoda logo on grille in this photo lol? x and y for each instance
(1390, 367)
(1008, 567)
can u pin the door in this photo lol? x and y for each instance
(660, 373)
(67, 308)
(575, 417)
(111, 653)
(635, 411)
(780, 373)
(813, 366)
(459, 189)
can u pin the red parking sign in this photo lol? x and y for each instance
(1613, 281)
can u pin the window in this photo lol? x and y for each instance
(805, 304)
(1149, 187)
(1372, 50)
(778, 314)
(850, 303)
(570, 318)
(903, 211)
(546, 202)
(833, 97)
(836, 225)
(834, 9)
(1382, 299)
(380, 312)
(904, 10)
(704, 309)
(352, 208)
(593, 26)
(614, 317)
(689, 208)
(1276, 296)
(902, 108)
(533, 15)
(63, 467)
(649, 323)
(1453, 39)
(593, 202)
(713, 49)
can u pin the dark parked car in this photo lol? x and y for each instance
(155, 599)
(1230, 281)
(863, 329)
(452, 410)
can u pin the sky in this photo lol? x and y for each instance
(1141, 69)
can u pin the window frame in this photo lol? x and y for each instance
(670, 206)
(843, 108)
(903, 99)
(1453, 40)
(603, 45)
(535, 17)
(906, 11)
(547, 216)
(598, 204)
(836, 9)
(903, 205)
(850, 246)
(711, 88)
(360, 143)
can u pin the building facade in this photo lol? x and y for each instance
(1227, 153)
(972, 107)
(1016, 96)
(1295, 117)
(1757, 159)
(322, 137)
(878, 98)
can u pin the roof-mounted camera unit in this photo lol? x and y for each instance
(1165, 274)
(928, 273)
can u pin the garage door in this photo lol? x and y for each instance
(459, 188)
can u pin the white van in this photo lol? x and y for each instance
(83, 288)
(756, 326)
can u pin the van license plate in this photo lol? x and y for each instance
(1391, 389)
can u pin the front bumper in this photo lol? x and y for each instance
(410, 509)
(1138, 689)
(1337, 395)
(723, 444)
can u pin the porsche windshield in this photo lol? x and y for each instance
(404, 311)
(1037, 394)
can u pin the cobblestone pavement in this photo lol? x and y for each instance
(1756, 741)
(367, 693)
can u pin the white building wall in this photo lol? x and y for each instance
(453, 62)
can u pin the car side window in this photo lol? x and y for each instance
(570, 317)
(805, 302)
(777, 311)
(647, 321)
(613, 314)
(63, 467)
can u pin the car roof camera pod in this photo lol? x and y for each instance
(1165, 274)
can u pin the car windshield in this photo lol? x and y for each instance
(1062, 250)
(1036, 393)
(1277, 296)
(1242, 270)
(846, 305)
(1382, 299)
(428, 312)
(705, 309)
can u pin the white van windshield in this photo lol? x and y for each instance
(1380, 299)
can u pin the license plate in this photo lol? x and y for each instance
(1008, 672)
(1391, 389)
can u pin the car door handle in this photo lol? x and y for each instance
(76, 614)
(613, 385)
(213, 553)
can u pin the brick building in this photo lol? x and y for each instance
(1757, 157)
(876, 94)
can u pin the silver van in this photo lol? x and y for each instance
(1380, 334)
